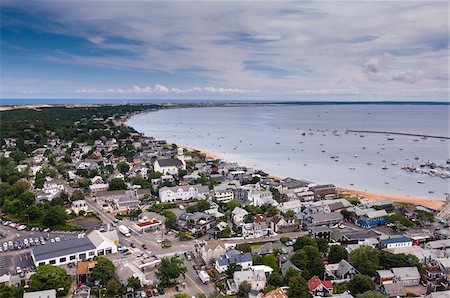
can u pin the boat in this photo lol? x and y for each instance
(390, 139)
(356, 155)
(421, 182)
(369, 163)
(394, 163)
(352, 168)
(431, 191)
(385, 168)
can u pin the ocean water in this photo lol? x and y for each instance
(271, 138)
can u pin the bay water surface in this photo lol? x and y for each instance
(311, 142)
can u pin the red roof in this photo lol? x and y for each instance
(148, 223)
(315, 282)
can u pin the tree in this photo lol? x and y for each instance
(232, 267)
(244, 288)
(117, 184)
(291, 272)
(77, 195)
(340, 287)
(225, 233)
(275, 279)
(360, 283)
(56, 215)
(114, 288)
(290, 213)
(400, 219)
(171, 219)
(17, 155)
(390, 260)
(298, 288)
(337, 253)
(244, 247)
(346, 214)
(8, 291)
(233, 204)
(371, 294)
(51, 277)
(322, 245)
(365, 260)
(103, 270)
(309, 260)
(123, 167)
(271, 261)
(169, 270)
(304, 241)
(271, 211)
(133, 282)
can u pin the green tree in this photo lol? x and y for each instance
(225, 233)
(7, 291)
(244, 288)
(117, 184)
(337, 253)
(271, 211)
(56, 215)
(18, 155)
(298, 288)
(233, 204)
(103, 270)
(114, 288)
(304, 241)
(133, 282)
(365, 260)
(231, 269)
(244, 247)
(309, 260)
(123, 167)
(322, 245)
(271, 261)
(371, 294)
(390, 260)
(340, 287)
(346, 214)
(171, 219)
(169, 270)
(77, 195)
(291, 272)
(360, 283)
(51, 277)
(275, 280)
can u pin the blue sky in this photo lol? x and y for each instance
(330, 50)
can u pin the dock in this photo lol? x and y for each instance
(397, 133)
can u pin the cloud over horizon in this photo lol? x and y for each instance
(368, 50)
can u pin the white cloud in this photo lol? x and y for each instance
(161, 89)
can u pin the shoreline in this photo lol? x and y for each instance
(365, 196)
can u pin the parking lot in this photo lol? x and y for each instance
(16, 246)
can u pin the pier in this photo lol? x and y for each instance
(397, 133)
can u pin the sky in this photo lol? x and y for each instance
(270, 50)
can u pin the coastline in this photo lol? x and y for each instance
(365, 196)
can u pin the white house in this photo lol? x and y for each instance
(223, 195)
(256, 279)
(260, 197)
(394, 242)
(239, 215)
(294, 205)
(183, 193)
(74, 250)
(79, 205)
(244, 259)
(169, 166)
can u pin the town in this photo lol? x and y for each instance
(92, 208)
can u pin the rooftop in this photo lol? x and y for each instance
(62, 248)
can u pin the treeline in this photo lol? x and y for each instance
(66, 123)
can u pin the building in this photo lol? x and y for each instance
(294, 205)
(79, 205)
(183, 193)
(238, 215)
(148, 225)
(393, 290)
(256, 279)
(373, 218)
(318, 287)
(260, 197)
(244, 259)
(402, 241)
(408, 276)
(209, 250)
(340, 271)
(198, 223)
(277, 293)
(169, 166)
(75, 250)
(223, 195)
(40, 294)
(328, 191)
(84, 270)
(324, 219)
(280, 224)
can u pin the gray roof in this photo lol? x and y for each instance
(286, 265)
(234, 257)
(62, 248)
(170, 162)
(343, 268)
(327, 216)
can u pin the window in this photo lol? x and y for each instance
(72, 257)
(62, 260)
(92, 253)
(41, 263)
(52, 262)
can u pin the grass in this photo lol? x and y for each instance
(255, 246)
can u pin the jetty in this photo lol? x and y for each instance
(397, 133)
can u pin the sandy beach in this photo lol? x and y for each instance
(371, 197)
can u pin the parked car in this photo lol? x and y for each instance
(132, 245)
(155, 292)
(18, 270)
(161, 291)
(144, 246)
(57, 239)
